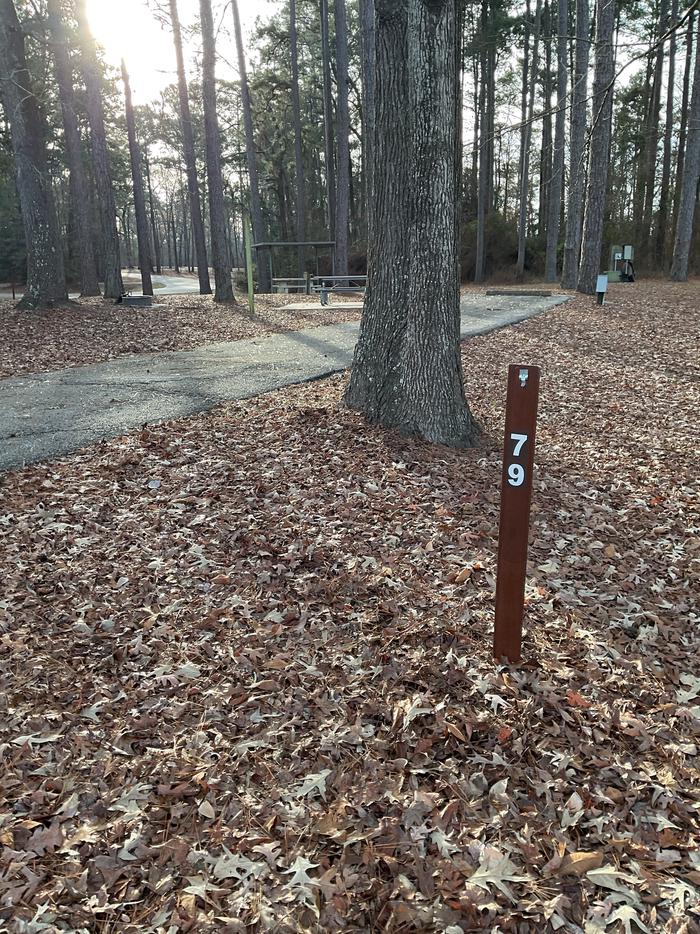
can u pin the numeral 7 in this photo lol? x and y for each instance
(519, 442)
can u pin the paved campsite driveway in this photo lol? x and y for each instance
(50, 414)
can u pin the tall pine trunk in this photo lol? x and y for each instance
(46, 282)
(79, 189)
(139, 199)
(156, 256)
(645, 239)
(298, 152)
(407, 370)
(259, 232)
(343, 130)
(328, 138)
(217, 206)
(524, 181)
(188, 151)
(114, 287)
(691, 175)
(683, 132)
(485, 148)
(603, 90)
(557, 181)
(577, 152)
(662, 217)
(368, 105)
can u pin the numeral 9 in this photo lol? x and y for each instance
(516, 475)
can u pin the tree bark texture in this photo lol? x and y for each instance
(259, 232)
(343, 131)
(546, 150)
(113, 287)
(46, 281)
(217, 206)
(407, 370)
(298, 152)
(139, 198)
(524, 182)
(556, 187)
(577, 152)
(79, 189)
(691, 175)
(603, 90)
(188, 151)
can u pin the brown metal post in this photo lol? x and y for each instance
(516, 493)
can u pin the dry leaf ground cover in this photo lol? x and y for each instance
(246, 672)
(90, 331)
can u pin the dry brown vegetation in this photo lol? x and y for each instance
(246, 673)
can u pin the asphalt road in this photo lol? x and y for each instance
(47, 415)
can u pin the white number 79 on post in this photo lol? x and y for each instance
(516, 472)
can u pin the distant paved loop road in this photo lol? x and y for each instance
(50, 414)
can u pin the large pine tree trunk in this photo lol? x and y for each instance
(298, 152)
(603, 90)
(662, 237)
(188, 151)
(259, 232)
(79, 190)
(343, 129)
(114, 287)
(546, 149)
(577, 152)
(217, 206)
(407, 370)
(557, 181)
(46, 282)
(524, 180)
(691, 175)
(139, 199)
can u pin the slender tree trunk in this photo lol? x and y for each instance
(139, 200)
(524, 184)
(482, 195)
(577, 162)
(155, 233)
(662, 218)
(407, 370)
(546, 150)
(126, 228)
(188, 151)
(298, 152)
(217, 205)
(683, 131)
(259, 231)
(645, 241)
(46, 281)
(368, 103)
(114, 286)
(556, 188)
(328, 147)
(691, 175)
(343, 131)
(603, 91)
(79, 190)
